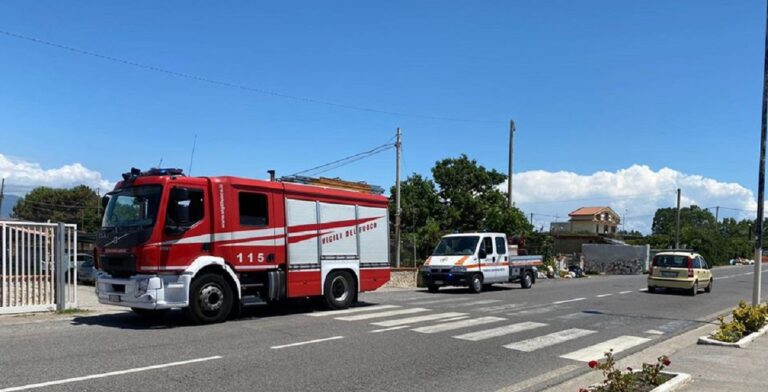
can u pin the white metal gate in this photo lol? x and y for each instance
(39, 266)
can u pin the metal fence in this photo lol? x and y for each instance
(39, 266)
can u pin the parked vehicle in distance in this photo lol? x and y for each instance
(86, 270)
(477, 260)
(680, 270)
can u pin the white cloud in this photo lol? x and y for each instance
(636, 192)
(21, 176)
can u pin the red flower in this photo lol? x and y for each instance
(593, 364)
(665, 360)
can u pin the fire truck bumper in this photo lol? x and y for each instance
(144, 291)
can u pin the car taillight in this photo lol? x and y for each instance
(690, 267)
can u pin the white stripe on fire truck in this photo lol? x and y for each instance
(272, 242)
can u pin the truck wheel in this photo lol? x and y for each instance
(433, 288)
(338, 290)
(527, 281)
(476, 283)
(149, 313)
(210, 299)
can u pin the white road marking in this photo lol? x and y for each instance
(643, 289)
(390, 329)
(417, 319)
(388, 313)
(568, 300)
(109, 374)
(352, 310)
(654, 332)
(535, 381)
(458, 324)
(598, 350)
(500, 331)
(481, 302)
(625, 292)
(548, 340)
(437, 301)
(307, 342)
(603, 295)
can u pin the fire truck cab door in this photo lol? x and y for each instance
(186, 232)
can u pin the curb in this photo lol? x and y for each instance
(675, 383)
(706, 340)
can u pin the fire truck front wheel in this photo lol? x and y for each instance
(210, 299)
(338, 293)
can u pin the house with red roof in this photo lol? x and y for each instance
(596, 220)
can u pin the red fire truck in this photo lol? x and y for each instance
(210, 245)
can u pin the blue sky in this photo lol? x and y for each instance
(592, 85)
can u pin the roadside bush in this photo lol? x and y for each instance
(730, 332)
(618, 381)
(746, 320)
(751, 317)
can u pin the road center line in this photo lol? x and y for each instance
(625, 292)
(568, 300)
(303, 343)
(109, 374)
(603, 295)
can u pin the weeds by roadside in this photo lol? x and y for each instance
(617, 380)
(746, 320)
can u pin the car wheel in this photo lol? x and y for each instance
(210, 299)
(709, 286)
(476, 283)
(651, 289)
(527, 281)
(433, 288)
(694, 289)
(339, 292)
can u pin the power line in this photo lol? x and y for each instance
(234, 85)
(345, 161)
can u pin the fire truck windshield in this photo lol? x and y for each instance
(132, 206)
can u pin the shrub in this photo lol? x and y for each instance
(730, 332)
(618, 381)
(751, 317)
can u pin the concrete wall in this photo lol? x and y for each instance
(616, 259)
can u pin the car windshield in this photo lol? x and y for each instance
(456, 246)
(671, 261)
(132, 206)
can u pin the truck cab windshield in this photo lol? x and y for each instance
(456, 246)
(132, 206)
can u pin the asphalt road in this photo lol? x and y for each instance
(506, 337)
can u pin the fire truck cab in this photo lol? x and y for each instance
(210, 245)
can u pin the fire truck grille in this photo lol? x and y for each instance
(118, 266)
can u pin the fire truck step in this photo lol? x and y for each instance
(252, 300)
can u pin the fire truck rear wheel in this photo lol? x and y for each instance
(339, 290)
(210, 299)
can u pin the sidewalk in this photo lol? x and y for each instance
(716, 369)
(712, 368)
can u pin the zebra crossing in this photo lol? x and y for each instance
(471, 328)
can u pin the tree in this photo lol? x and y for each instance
(464, 196)
(78, 205)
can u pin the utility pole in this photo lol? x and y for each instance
(398, 146)
(531, 218)
(509, 171)
(2, 189)
(677, 224)
(717, 214)
(761, 183)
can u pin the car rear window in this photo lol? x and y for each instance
(671, 261)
